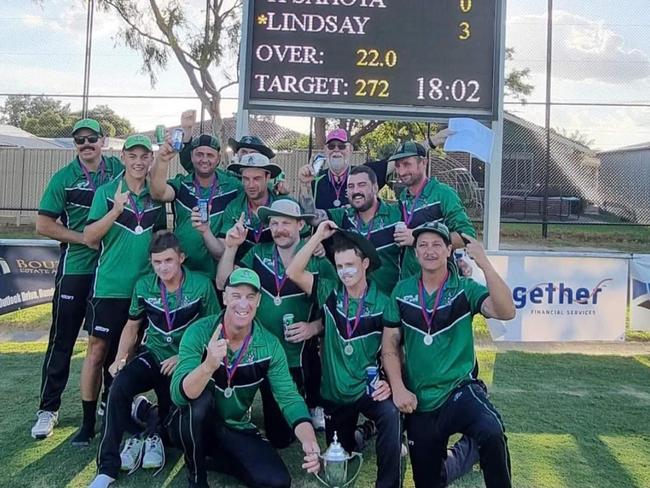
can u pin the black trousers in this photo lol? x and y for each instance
(343, 419)
(468, 411)
(140, 375)
(278, 432)
(68, 311)
(312, 372)
(245, 455)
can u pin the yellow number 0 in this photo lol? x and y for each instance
(465, 6)
(465, 32)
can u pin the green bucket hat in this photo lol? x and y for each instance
(138, 140)
(408, 149)
(206, 140)
(90, 124)
(244, 276)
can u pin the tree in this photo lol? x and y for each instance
(202, 48)
(575, 136)
(47, 117)
(516, 84)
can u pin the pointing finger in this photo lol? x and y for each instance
(217, 332)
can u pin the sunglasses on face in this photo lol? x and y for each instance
(333, 145)
(79, 140)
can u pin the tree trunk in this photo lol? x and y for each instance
(320, 125)
(218, 128)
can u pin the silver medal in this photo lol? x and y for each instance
(277, 301)
(337, 203)
(227, 392)
(138, 229)
(428, 340)
(348, 349)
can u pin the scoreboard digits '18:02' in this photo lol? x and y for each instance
(394, 58)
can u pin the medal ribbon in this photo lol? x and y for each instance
(102, 174)
(279, 279)
(408, 215)
(213, 189)
(170, 316)
(338, 187)
(357, 317)
(259, 229)
(231, 369)
(138, 215)
(428, 319)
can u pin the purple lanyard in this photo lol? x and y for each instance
(136, 210)
(230, 370)
(337, 187)
(428, 319)
(357, 317)
(259, 229)
(279, 279)
(102, 174)
(213, 189)
(169, 317)
(408, 216)
(359, 223)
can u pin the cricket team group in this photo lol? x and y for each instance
(346, 312)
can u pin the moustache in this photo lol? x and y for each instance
(355, 195)
(83, 148)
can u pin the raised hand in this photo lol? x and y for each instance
(119, 199)
(236, 235)
(326, 230)
(216, 350)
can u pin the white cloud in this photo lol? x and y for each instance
(583, 49)
(33, 20)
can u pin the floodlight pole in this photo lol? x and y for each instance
(492, 200)
(88, 50)
(549, 65)
(242, 114)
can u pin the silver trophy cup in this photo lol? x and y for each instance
(334, 466)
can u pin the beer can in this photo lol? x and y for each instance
(372, 377)
(160, 134)
(317, 164)
(177, 139)
(202, 203)
(287, 321)
(400, 226)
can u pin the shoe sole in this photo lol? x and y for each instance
(151, 466)
(40, 437)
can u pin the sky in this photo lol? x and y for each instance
(601, 54)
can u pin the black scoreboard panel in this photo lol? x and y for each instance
(405, 58)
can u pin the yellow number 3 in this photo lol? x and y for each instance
(465, 32)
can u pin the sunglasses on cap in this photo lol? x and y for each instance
(336, 145)
(79, 140)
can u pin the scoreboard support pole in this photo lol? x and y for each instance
(492, 206)
(241, 128)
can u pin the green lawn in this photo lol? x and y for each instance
(573, 421)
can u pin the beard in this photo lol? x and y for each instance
(338, 164)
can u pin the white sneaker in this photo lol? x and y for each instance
(318, 418)
(101, 481)
(131, 454)
(154, 453)
(44, 424)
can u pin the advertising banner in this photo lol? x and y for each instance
(563, 297)
(27, 270)
(640, 292)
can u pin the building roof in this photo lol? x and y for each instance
(11, 136)
(555, 136)
(644, 146)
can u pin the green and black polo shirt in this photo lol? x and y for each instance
(343, 379)
(68, 196)
(124, 254)
(197, 256)
(380, 232)
(264, 359)
(195, 298)
(437, 202)
(433, 371)
(261, 258)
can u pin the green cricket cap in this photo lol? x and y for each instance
(138, 140)
(408, 149)
(436, 227)
(244, 276)
(91, 124)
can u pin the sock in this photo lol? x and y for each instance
(89, 411)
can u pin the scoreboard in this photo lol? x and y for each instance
(377, 58)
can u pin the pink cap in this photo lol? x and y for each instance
(337, 135)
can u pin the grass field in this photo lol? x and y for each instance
(573, 421)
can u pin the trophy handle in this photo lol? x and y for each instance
(320, 457)
(352, 480)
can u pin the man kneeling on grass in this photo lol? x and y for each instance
(223, 360)
(169, 300)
